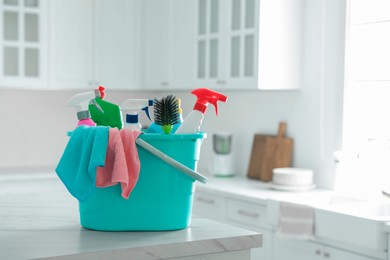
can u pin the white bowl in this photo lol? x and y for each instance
(292, 176)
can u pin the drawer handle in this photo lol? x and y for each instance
(248, 214)
(205, 200)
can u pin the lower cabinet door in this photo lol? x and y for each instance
(291, 249)
(208, 205)
(338, 254)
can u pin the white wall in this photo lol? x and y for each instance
(34, 124)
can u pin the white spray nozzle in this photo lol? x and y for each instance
(134, 106)
(80, 101)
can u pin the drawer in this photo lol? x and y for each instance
(247, 213)
(210, 206)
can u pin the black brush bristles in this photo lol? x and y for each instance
(166, 112)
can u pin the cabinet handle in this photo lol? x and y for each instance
(206, 200)
(221, 82)
(248, 214)
(318, 252)
(164, 83)
(326, 255)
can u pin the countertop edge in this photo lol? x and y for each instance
(181, 249)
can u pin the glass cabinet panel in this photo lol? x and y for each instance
(235, 57)
(31, 62)
(214, 15)
(236, 14)
(31, 3)
(11, 61)
(250, 9)
(202, 17)
(213, 58)
(10, 2)
(201, 59)
(11, 26)
(31, 32)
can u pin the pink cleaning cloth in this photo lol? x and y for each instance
(122, 162)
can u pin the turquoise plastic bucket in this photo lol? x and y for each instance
(162, 198)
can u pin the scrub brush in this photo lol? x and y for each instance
(166, 112)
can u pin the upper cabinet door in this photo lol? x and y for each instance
(167, 36)
(211, 35)
(242, 43)
(71, 32)
(22, 45)
(249, 44)
(116, 44)
(155, 49)
(227, 43)
(182, 44)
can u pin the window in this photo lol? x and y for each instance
(366, 123)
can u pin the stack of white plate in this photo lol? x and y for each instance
(292, 179)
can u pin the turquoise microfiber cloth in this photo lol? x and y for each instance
(85, 151)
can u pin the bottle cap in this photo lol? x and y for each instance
(83, 115)
(131, 119)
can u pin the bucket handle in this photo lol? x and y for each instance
(181, 167)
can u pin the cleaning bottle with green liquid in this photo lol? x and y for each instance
(109, 115)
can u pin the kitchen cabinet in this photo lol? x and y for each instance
(71, 41)
(23, 47)
(250, 204)
(226, 43)
(249, 44)
(210, 206)
(88, 49)
(167, 30)
(285, 248)
(147, 44)
(115, 42)
(243, 214)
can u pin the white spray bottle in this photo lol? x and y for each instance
(80, 102)
(193, 121)
(132, 107)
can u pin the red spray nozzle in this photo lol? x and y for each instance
(101, 90)
(206, 96)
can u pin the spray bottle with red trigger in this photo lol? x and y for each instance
(193, 121)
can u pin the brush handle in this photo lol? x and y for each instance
(181, 167)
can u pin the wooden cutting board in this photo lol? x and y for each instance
(269, 152)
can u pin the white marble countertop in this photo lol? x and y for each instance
(258, 191)
(39, 219)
